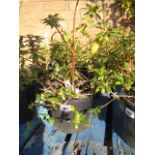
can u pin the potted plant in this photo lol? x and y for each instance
(113, 69)
(34, 57)
(81, 65)
(28, 75)
(68, 93)
(113, 72)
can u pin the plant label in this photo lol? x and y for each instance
(65, 108)
(130, 113)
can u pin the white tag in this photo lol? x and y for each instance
(130, 113)
(65, 108)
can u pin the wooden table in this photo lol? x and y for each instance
(38, 137)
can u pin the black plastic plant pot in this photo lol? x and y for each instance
(61, 118)
(124, 121)
(26, 97)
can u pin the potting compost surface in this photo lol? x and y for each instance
(38, 137)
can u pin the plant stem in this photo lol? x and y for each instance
(124, 96)
(59, 80)
(103, 106)
(52, 37)
(74, 45)
(62, 36)
(131, 103)
(115, 98)
(58, 30)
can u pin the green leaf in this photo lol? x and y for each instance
(67, 35)
(31, 106)
(44, 115)
(72, 108)
(128, 87)
(42, 97)
(77, 116)
(38, 96)
(50, 120)
(90, 23)
(95, 47)
(118, 82)
(85, 123)
(52, 20)
(108, 89)
(102, 90)
(98, 88)
(96, 112)
(46, 95)
(54, 100)
(76, 126)
(101, 78)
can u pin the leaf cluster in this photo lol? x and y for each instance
(102, 61)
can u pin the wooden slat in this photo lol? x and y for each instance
(26, 131)
(90, 141)
(47, 140)
(119, 146)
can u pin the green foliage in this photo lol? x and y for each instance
(113, 63)
(47, 99)
(95, 111)
(95, 47)
(103, 61)
(60, 51)
(79, 118)
(128, 6)
(48, 118)
(92, 11)
(52, 20)
(61, 72)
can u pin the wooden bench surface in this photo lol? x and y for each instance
(38, 137)
(41, 138)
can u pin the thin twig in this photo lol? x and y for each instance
(62, 36)
(116, 97)
(20, 5)
(59, 80)
(52, 37)
(124, 96)
(103, 106)
(82, 76)
(74, 45)
(129, 101)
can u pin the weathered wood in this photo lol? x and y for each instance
(119, 146)
(26, 131)
(90, 141)
(48, 140)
